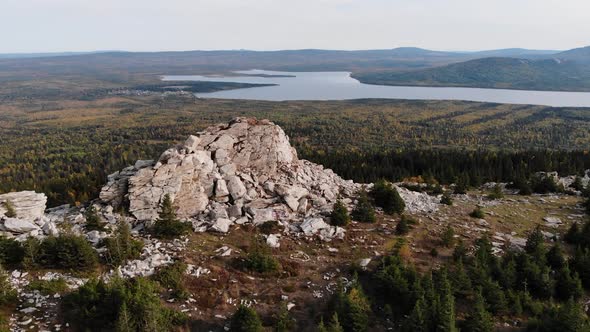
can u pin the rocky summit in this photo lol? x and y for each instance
(236, 172)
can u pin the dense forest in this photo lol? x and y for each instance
(66, 149)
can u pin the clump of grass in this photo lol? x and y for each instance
(49, 287)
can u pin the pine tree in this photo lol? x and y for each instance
(567, 285)
(364, 210)
(124, 322)
(535, 244)
(496, 192)
(339, 216)
(167, 225)
(245, 319)
(285, 322)
(479, 319)
(7, 293)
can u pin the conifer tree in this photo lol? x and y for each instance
(364, 211)
(387, 197)
(93, 222)
(167, 225)
(339, 215)
(245, 319)
(479, 319)
(417, 321)
(445, 320)
(335, 324)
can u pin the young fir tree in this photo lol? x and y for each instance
(335, 324)
(387, 197)
(363, 211)
(479, 319)
(245, 319)
(167, 225)
(417, 321)
(93, 222)
(477, 213)
(445, 318)
(448, 237)
(339, 215)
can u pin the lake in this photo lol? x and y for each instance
(340, 86)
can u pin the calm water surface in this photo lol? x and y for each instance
(340, 86)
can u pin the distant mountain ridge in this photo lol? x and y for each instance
(512, 68)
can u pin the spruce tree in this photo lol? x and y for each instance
(339, 215)
(417, 321)
(335, 324)
(364, 210)
(479, 319)
(387, 197)
(448, 237)
(167, 225)
(446, 199)
(445, 320)
(245, 319)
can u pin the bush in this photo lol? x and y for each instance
(260, 260)
(387, 197)
(123, 305)
(542, 184)
(339, 216)
(93, 222)
(363, 211)
(245, 320)
(121, 247)
(7, 293)
(167, 225)
(404, 225)
(12, 252)
(496, 192)
(269, 227)
(62, 252)
(171, 277)
(9, 207)
(448, 237)
(477, 213)
(49, 287)
(446, 199)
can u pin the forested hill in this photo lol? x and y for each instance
(567, 73)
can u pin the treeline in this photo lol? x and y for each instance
(449, 166)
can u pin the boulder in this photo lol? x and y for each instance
(28, 205)
(311, 226)
(221, 225)
(19, 226)
(235, 187)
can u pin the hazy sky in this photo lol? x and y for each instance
(152, 25)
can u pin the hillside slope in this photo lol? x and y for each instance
(561, 74)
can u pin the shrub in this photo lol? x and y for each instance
(12, 252)
(49, 287)
(62, 252)
(477, 213)
(121, 247)
(448, 237)
(245, 320)
(404, 225)
(10, 211)
(363, 211)
(123, 305)
(269, 227)
(339, 216)
(7, 293)
(542, 184)
(260, 260)
(93, 222)
(171, 277)
(446, 199)
(284, 321)
(496, 192)
(167, 225)
(387, 197)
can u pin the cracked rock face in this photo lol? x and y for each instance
(245, 168)
(28, 205)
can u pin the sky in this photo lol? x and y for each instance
(156, 25)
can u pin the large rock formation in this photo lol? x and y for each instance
(243, 169)
(28, 205)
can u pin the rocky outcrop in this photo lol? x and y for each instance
(242, 171)
(28, 205)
